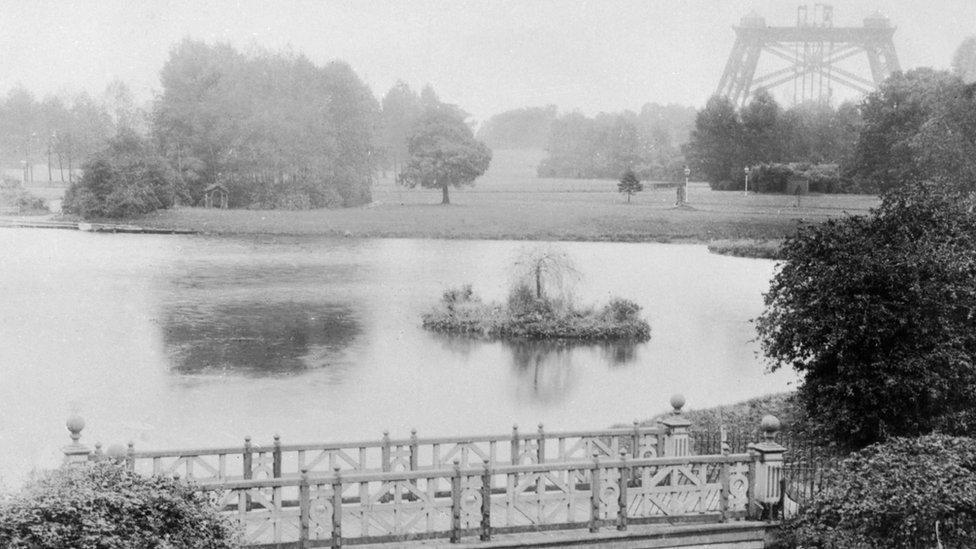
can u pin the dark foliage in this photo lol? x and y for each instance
(277, 130)
(527, 317)
(443, 152)
(904, 493)
(877, 315)
(918, 126)
(726, 140)
(126, 179)
(105, 506)
(629, 184)
(786, 178)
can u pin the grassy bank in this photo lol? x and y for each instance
(532, 214)
(765, 249)
(509, 202)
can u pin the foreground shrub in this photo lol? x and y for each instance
(107, 506)
(892, 495)
(876, 314)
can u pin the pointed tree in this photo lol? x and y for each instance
(629, 184)
(444, 152)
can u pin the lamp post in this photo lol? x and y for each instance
(746, 170)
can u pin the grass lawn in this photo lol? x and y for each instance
(509, 202)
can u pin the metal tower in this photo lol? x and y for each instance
(812, 49)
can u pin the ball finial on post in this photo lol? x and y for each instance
(770, 426)
(677, 402)
(75, 424)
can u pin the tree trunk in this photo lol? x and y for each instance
(628, 198)
(538, 281)
(445, 199)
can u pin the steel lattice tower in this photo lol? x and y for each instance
(812, 50)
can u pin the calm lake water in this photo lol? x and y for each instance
(180, 341)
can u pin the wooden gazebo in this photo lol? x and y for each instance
(215, 196)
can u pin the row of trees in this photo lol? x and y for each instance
(608, 144)
(725, 139)
(62, 131)
(275, 129)
(895, 133)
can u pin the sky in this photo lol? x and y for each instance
(487, 57)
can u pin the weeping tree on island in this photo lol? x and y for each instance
(549, 269)
(444, 152)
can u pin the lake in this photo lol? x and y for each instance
(188, 341)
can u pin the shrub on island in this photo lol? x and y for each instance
(106, 505)
(525, 316)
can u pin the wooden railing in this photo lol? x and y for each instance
(457, 502)
(394, 490)
(277, 460)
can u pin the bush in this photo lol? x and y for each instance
(621, 310)
(125, 180)
(526, 317)
(876, 314)
(107, 506)
(893, 495)
(16, 197)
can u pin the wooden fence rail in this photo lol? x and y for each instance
(457, 502)
(251, 461)
(394, 490)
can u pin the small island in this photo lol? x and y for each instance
(532, 313)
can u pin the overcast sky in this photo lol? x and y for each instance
(601, 55)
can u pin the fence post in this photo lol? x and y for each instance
(386, 452)
(725, 490)
(336, 508)
(635, 442)
(414, 451)
(486, 503)
(456, 503)
(304, 508)
(248, 458)
(130, 456)
(276, 457)
(768, 464)
(676, 427)
(541, 449)
(751, 500)
(623, 473)
(515, 445)
(76, 452)
(595, 495)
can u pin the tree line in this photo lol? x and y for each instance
(916, 125)
(274, 131)
(61, 131)
(603, 146)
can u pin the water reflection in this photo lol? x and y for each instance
(546, 369)
(257, 337)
